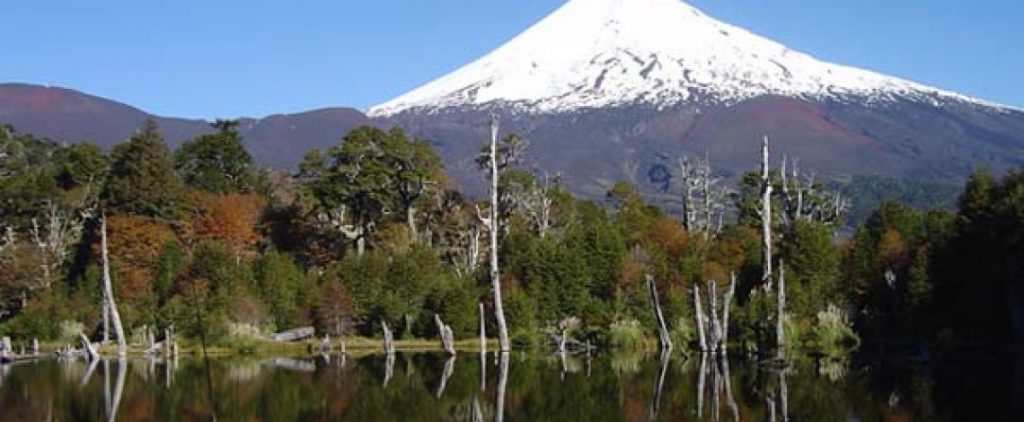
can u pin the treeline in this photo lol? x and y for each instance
(371, 230)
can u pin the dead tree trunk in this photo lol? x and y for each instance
(389, 339)
(699, 315)
(780, 332)
(725, 312)
(112, 306)
(87, 347)
(447, 338)
(663, 334)
(483, 330)
(108, 289)
(766, 217)
(499, 312)
(715, 326)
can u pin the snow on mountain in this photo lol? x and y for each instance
(603, 53)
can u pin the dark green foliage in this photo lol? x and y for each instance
(142, 180)
(216, 163)
(812, 262)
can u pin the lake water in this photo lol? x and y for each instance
(431, 387)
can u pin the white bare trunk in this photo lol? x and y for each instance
(780, 332)
(389, 339)
(115, 316)
(699, 315)
(725, 312)
(499, 311)
(445, 333)
(483, 330)
(714, 327)
(90, 351)
(766, 217)
(663, 334)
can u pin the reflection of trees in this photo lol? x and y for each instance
(499, 413)
(715, 367)
(449, 367)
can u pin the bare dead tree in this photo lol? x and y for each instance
(766, 217)
(702, 197)
(54, 237)
(389, 339)
(664, 339)
(780, 350)
(337, 220)
(108, 290)
(493, 223)
(700, 321)
(445, 333)
(483, 329)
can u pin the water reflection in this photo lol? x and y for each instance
(505, 386)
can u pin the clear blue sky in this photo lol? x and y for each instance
(230, 58)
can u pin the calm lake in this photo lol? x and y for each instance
(431, 387)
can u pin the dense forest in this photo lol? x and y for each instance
(370, 230)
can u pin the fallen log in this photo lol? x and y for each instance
(294, 334)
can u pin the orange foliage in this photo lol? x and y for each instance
(668, 236)
(232, 219)
(892, 250)
(135, 244)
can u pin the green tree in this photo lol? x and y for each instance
(142, 180)
(217, 162)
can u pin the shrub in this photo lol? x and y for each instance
(626, 334)
(833, 335)
(683, 333)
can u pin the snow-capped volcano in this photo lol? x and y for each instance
(601, 53)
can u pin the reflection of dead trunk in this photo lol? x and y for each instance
(389, 368)
(700, 385)
(783, 395)
(499, 413)
(122, 372)
(770, 402)
(88, 373)
(663, 334)
(730, 399)
(483, 371)
(666, 356)
(446, 373)
(477, 412)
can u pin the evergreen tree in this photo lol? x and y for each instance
(142, 180)
(216, 163)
